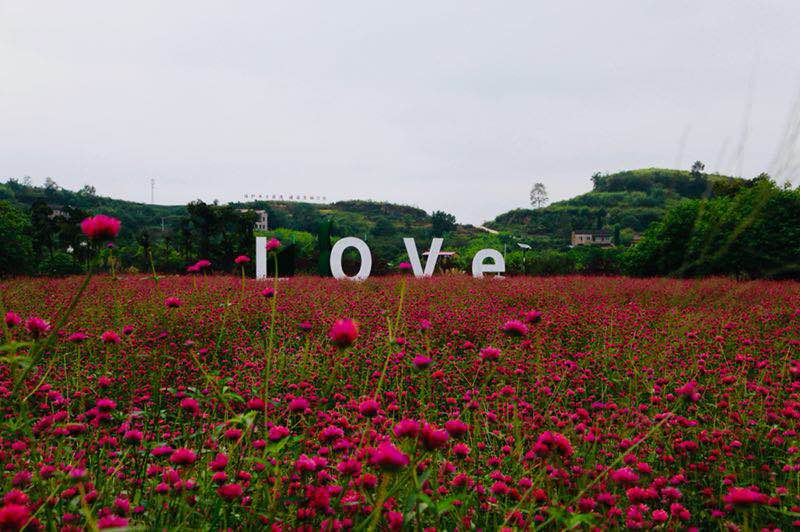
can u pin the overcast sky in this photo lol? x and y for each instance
(452, 105)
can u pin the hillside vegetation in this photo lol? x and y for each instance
(627, 202)
(689, 224)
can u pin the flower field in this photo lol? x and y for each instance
(399, 403)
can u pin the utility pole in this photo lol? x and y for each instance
(152, 190)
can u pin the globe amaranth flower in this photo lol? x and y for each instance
(37, 327)
(12, 319)
(514, 328)
(343, 333)
(272, 244)
(490, 354)
(100, 228)
(533, 316)
(389, 458)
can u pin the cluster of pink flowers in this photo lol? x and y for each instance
(528, 403)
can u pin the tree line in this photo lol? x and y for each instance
(739, 227)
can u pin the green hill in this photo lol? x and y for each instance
(628, 201)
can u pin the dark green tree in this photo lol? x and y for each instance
(442, 223)
(16, 252)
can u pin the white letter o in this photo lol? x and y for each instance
(338, 251)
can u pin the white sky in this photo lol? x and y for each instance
(453, 105)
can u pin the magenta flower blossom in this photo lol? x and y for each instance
(241, 259)
(343, 333)
(422, 362)
(552, 442)
(369, 408)
(272, 244)
(13, 516)
(533, 316)
(111, 521)
(105, 404)
(77, 337)
(433, 438)
(389, 458)
(689, 391)
(406, 428)
(514, 328)
(172, 302)
(183, 456)
(100, 228)
(456, 428)
(268, 292)
(744, 497)
(37, 327)
(230, 492)
(12, 319)
(110, 337)
(490, 354)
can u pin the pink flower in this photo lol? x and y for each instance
(389, 458)
(77, 337)
(134, 437)
(105, 404)
(552, 442)
(406, 428)
(277, 433)
(110, 337)
(744, 497)
(193, 268)
(273, 243)
(12, 320)
(37, 327)
(624, 475)
(369, 408)
(298, 404)
(660, 516)
(533, 316)
(111, 521)
(190, 404)
(100, 227)
(172, 302)
(268, 292)
(13, 517)
(404, 266)
(242, 259)
(230, 492)
(421, 362)
(689, 391)
(433, 438)
(456, 428)
(343, 333)
(514, 328)
(490, 354)
(183, 456)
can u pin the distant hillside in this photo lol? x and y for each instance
(381, 224)
(628, 201)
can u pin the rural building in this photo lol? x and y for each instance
(592, 238)
(261, 221)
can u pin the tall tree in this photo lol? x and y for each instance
(538, 196)
(442, 223)
(16, 253)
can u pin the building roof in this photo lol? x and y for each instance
(594, 232)
(442, 253)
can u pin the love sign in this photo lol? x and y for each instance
(495, 264)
